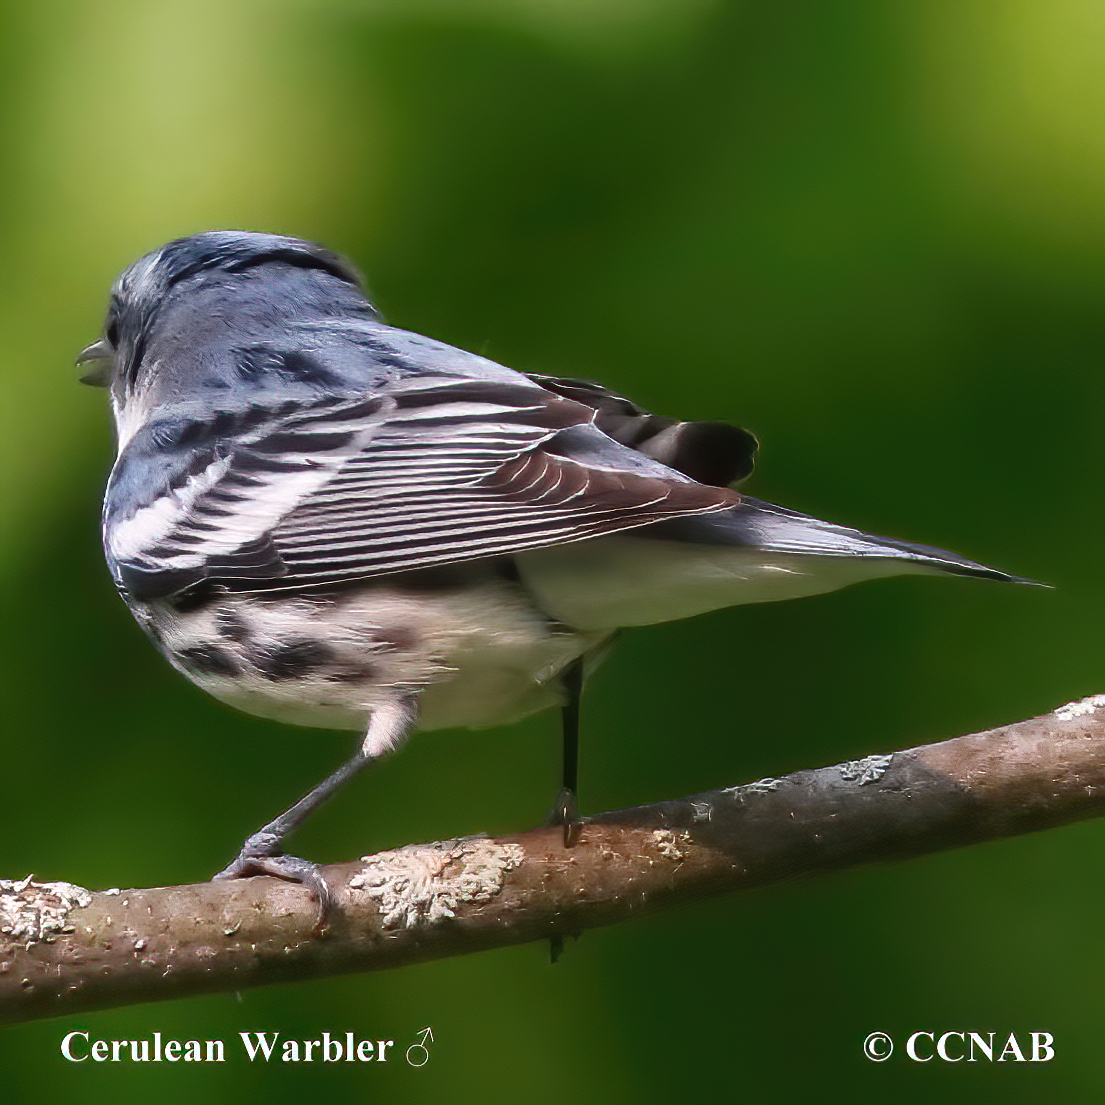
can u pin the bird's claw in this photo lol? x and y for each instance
(261, 855)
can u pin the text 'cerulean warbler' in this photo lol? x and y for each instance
(325, 520)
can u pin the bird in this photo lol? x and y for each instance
(325, 520)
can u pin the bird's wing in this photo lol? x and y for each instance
(431, 470)
(715, 453)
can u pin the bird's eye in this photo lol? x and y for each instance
(112, 334)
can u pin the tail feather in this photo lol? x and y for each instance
(751, 553)
(775, 529)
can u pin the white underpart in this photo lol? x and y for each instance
(607, 582)
(130, 417)
(476, 656)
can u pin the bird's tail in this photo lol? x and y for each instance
(774, 529)
(754, 552)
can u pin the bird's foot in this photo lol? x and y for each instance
(565, 812)
(262, 855)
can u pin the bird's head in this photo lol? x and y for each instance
(193, 292)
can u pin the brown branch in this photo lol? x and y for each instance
(64, 950)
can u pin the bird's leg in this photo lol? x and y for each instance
(263, 852)
(566, 809)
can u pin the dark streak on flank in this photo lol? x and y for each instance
(366, 673)
(293, 660)
(207, 660)
(231, 626)
(394, 639)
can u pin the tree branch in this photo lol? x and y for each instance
(64, 949)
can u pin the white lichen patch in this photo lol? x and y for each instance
(31, 912)
(425, 883)
(1081, 708)
(761, 786)
(868, 770)
(669, 845)
(702, 811)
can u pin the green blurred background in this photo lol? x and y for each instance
(873, 233)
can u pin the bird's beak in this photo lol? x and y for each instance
(99, 376)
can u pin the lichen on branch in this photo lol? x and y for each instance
(64, 949)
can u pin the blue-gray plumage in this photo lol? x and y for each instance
(323, 519)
